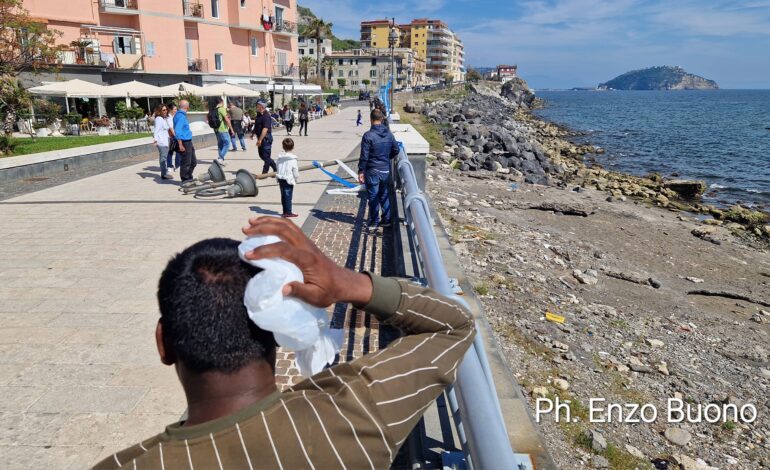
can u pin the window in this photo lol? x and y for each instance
(278, 15)
(254, 46)
(150, 49)
(215, 8)
(124, 45)
(302, 52)
(243, 3)
(311, 51)
(374, 61)
(188, 44)
(341, 74)
(373, 73)
(341, 62)
(219, 61)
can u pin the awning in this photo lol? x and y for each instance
(226, 89)
(175, 90)
(133, 89)
(71, 88)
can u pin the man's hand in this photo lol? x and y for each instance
(361, 178)
(259, 142)
(325, 282)
(181, 146)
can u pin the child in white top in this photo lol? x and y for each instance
(287, 175)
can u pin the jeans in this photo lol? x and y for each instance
(302, 125)
(289, 126)
(264, 154)
(238, 128)
(378, 194)
(188, 161)
(223, 143)
(163, 157)
(286, 192)
(172, 162)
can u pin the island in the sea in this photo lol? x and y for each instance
(659, 78)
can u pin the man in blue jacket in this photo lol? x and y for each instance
(184, 139)
(378, 148)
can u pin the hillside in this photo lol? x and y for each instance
(306, 15)
(659, 78)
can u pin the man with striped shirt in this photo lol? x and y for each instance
(354, 415)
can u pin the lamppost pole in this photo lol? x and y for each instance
(392, 39)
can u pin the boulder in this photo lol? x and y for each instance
(688, 189)
(678, 436)
(463, 153)
(410, 107)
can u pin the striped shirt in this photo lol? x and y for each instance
(354, 415)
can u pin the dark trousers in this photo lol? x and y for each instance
(172, 162)
(287, 190)
(289, 126)
(188, 161)
(302, 125)
(378, 194)
(264, 154)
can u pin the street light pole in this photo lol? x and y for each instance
(392, 39)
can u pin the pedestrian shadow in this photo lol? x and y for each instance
(334, 216)
(156, 177)
(260, 210)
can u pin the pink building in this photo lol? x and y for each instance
(167, 41)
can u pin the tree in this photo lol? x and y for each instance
(341, 82)
(366, 81)
(449, 78)
(329, 65)
(305, 64)
(319, 30)
(25, 44)
(473, 75)
(13, 98)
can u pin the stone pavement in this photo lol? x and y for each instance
(79, 265)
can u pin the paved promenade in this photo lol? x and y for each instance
(79, 265)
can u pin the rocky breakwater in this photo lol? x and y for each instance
(483, 135)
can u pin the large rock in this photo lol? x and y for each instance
(687, 189)
(410, 107)
(518, 92)
(463, 153)
(678, 436)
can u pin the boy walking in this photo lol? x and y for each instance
(359, 119)
(288, 173)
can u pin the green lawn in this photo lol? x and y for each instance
(26, 146)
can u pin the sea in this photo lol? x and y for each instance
(718, 136)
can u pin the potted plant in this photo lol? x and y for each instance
(73, 121)
(81, 47)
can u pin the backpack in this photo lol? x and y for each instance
(213, 118)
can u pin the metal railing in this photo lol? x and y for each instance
(197, 65)
(192, 9)
(473, 398)
(286, 71)
(285, 26)
(127, 4)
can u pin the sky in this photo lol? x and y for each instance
(570, 43)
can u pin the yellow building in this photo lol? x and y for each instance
(432, 41)
(374, 34)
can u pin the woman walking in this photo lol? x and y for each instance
(172, 163)
(161, 129)
(304, 117)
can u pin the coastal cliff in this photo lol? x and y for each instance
(659, 78)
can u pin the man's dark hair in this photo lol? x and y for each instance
(200, 294)
(220, 100)
(376, 115)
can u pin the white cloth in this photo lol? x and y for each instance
(161, 131)
(288, 169)
(296, 325)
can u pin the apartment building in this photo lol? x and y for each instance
(368, 69)
(431, 40)
(308, 47)
(164, 42)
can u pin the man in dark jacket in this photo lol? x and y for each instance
(378, 147)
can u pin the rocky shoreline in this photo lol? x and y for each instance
(602, 285)
(494, 130)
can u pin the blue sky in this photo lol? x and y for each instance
(566, 43)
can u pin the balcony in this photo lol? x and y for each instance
(197, 65)
(285, 27)
(286, 71)
(192, 10)
(79, 57)
(119, 7)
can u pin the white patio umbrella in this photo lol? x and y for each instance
(181, 87)
(133, 89)
(70, 89)
(227, 89)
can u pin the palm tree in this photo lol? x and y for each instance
(319, 30)
(305, 64)
(13, 98)
(328, 66)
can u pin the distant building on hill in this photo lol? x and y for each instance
(308, 47)
(506, 72)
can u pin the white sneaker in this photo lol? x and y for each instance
(169, 176)
(222, 161)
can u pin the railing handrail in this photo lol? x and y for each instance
(480, 427)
